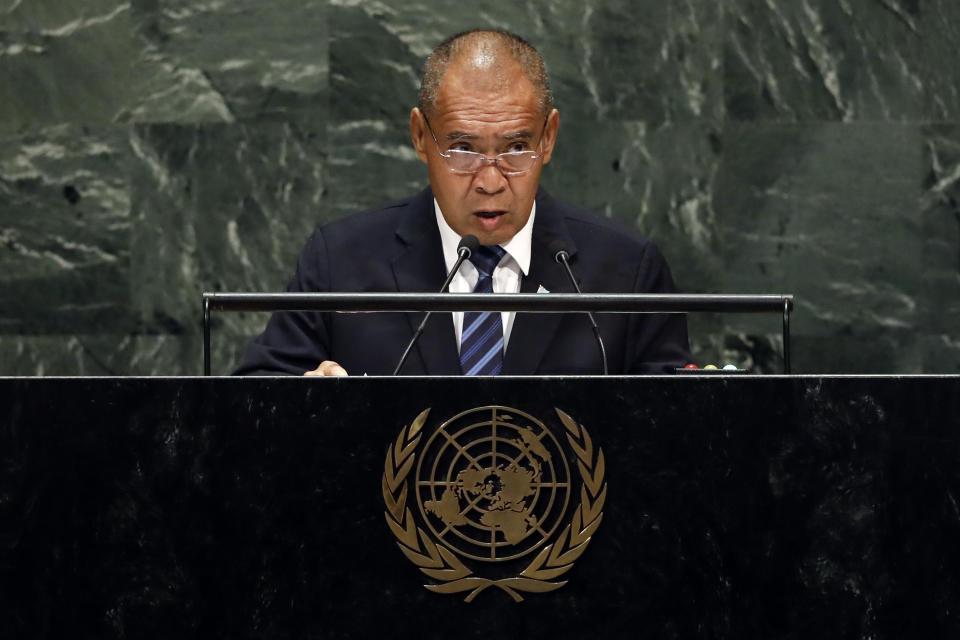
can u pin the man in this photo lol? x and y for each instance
(485, 126)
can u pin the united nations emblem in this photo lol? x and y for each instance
(492, 488)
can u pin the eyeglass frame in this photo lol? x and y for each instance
(495, 161)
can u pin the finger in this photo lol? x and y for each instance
(327, 368)
(331, 368)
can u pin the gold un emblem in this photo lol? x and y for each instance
(492, 488)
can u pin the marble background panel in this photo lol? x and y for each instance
(239, 60)
(828, 212)
(846, 60)
(220, 207)
(64, 231)
(153, 150)
(940, 217)
(65, 62)
(105, 354)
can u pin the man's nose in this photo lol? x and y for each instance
(489, 179)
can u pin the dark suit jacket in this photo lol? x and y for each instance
(398, 248)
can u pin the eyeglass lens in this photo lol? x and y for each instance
(469, 161)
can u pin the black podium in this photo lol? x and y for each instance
(721, 507)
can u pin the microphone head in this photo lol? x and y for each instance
(559, 251)
(470, 243)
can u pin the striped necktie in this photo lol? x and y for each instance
(481, 341)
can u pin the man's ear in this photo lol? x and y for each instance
(550, 135)
(419, 134)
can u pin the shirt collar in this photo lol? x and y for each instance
(517, 247)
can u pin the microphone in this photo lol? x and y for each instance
(468, 244)
(561, 255)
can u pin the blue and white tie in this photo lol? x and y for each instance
(481, 341)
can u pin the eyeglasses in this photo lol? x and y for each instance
(510, 163)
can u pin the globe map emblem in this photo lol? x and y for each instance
(493, 484)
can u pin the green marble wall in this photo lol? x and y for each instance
(154, 149)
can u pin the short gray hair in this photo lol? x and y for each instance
(502, 42)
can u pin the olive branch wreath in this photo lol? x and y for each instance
(441, 564)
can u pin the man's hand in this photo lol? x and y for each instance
(327, 368)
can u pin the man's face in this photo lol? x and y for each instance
(489, 113)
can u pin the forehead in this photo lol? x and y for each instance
(485, 98)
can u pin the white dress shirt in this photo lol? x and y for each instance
(506, 277)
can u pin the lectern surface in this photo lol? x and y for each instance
(721, 507)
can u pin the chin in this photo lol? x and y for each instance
(489, 238)
(501, 233)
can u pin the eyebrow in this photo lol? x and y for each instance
(518, 135)
(461, 135)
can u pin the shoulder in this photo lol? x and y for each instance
(610, 255)
(355, 253)
(374, 232)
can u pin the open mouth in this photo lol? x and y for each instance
(489, 221)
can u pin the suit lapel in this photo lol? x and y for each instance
(532, 333)
(419, 267)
